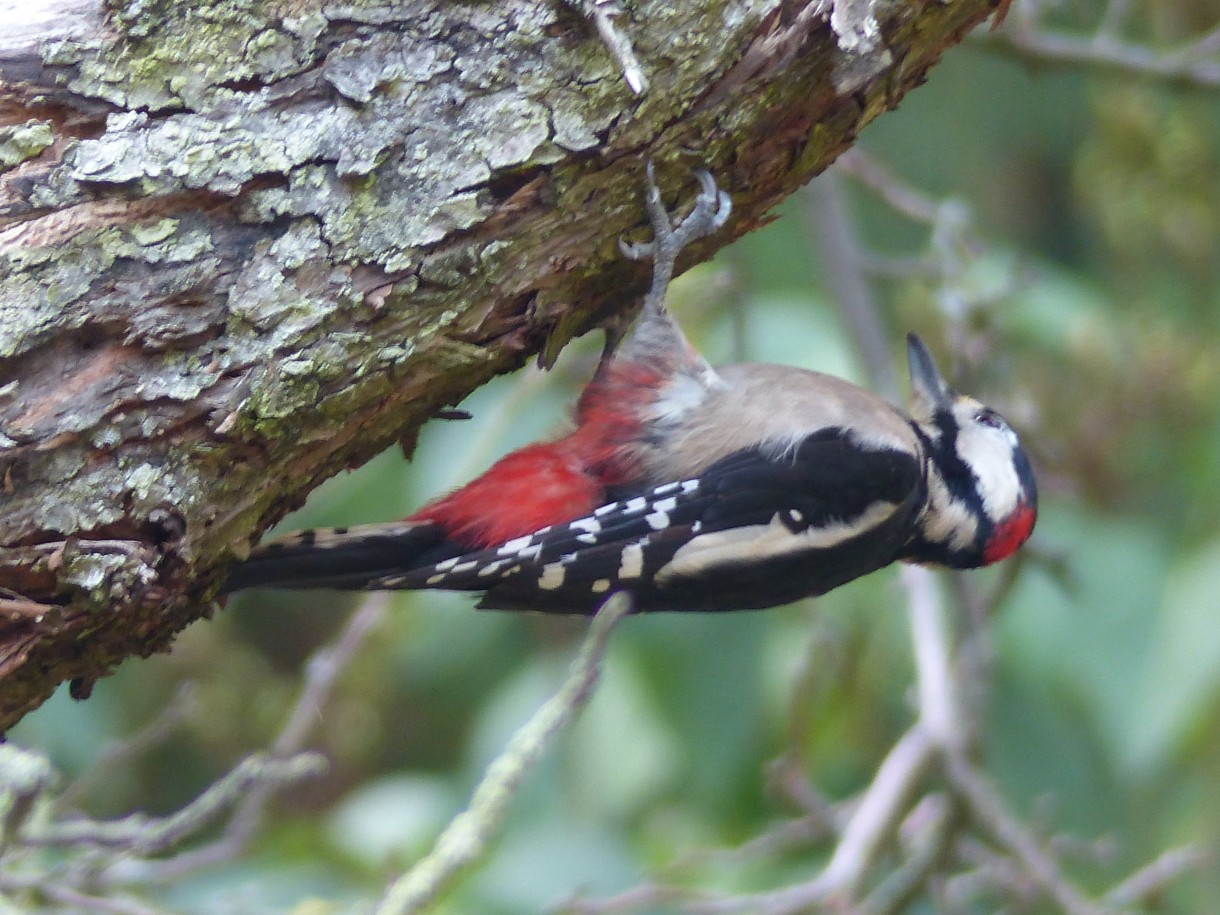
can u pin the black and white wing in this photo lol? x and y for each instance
(754, 530)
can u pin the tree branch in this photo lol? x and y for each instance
(468, 834)
(236, 265)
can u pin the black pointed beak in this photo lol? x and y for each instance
(926, 380)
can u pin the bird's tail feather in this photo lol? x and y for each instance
(342, 558)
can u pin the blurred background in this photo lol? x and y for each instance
(1052, 228)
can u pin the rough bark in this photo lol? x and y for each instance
(246, 245)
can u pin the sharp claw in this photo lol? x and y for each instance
(724, 209)
(669, 235)
(636, 251)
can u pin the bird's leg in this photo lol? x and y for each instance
(670, 235)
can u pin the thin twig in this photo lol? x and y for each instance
(112, 905)
(900, 196)
(17, 609)
(321, 675)
(322, 672)
(122, 753)
(939, 710)
(644, 896)
(602, 13)
(838, 248)
(148, 836)
(938, 701)
(801, 832)
(877, 816)
(898, 889)
(467, 835)
(872, 823)
(1104, 52)
(988, 810)
(1153, 877)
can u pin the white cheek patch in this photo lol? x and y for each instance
(949, 521)
(756, 543)
(988, 453)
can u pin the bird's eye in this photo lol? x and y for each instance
(990, 419)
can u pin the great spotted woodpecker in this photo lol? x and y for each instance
(696, 488)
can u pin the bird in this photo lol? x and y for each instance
(694, 488)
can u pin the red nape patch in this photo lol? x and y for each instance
(532, 488)
(1010, 533)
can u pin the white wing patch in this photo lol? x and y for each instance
(759, 542)
(521, 554)
(553, 574)
(631, 564)
(657, 520)
(512, 546)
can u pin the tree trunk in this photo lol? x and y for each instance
(246, 246)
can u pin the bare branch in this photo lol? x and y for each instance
(148, 836)
(838, 249)
(928, 851)
(1153, 877)
(123, 752)
(939, 711)
(467, 835)
(987, 808)
(111, 905)
(602, 14)
(1193, 64)
(321, 675)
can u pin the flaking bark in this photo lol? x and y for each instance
(246, 245)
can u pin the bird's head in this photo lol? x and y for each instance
(982, 500)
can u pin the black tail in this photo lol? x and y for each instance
(346, 559)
